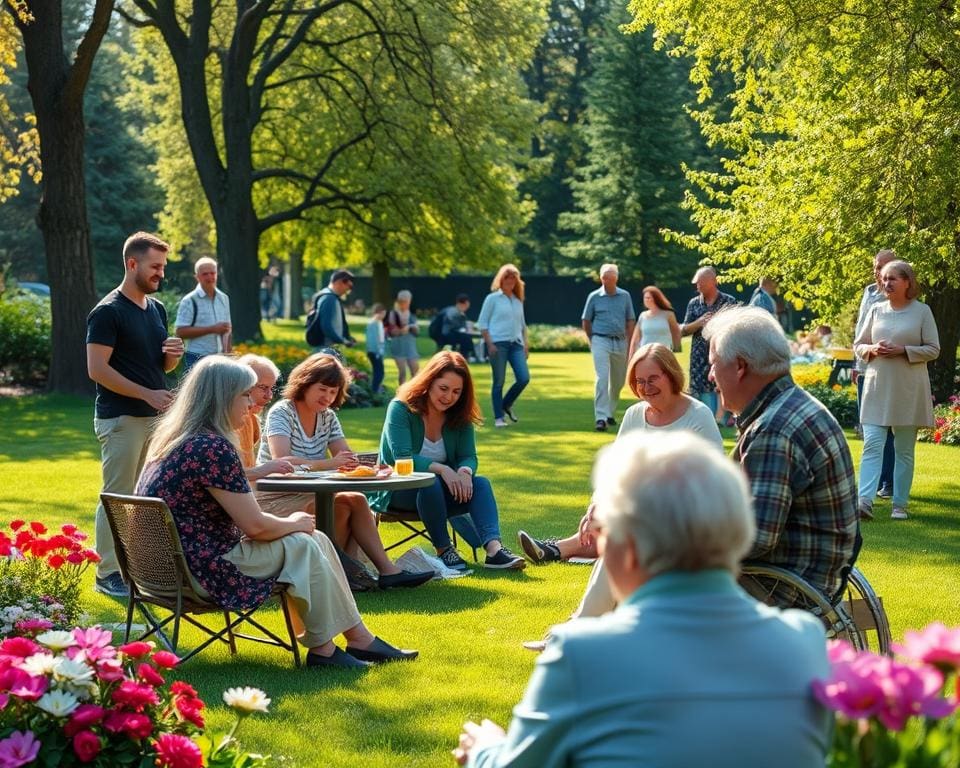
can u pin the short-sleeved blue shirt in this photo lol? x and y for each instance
(609, 313)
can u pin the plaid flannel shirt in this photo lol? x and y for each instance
(801, 475)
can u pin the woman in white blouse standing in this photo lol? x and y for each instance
(897, 340)
(504, 331)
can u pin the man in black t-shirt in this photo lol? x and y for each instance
(128, 352)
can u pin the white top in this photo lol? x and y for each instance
(655, 329)
(196, 308)
(697, 418)
(283, 420)
(434, 450)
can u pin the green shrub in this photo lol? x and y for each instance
(840, 401)
(24, 338)
(557, 338)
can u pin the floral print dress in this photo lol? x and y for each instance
(207, 532)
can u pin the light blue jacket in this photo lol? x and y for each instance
(403, 433)
(687, 672)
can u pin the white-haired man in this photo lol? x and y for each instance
(203, 317)
(608, 319)
(685, 652)
(791, 448)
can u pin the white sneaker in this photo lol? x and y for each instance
(899, 513)
(500, 422)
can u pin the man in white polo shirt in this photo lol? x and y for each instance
(203, 318)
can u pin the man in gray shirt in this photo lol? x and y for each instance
(327, 321)
(608, 319)
(203, 317)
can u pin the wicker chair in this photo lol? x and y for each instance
(855, 614)
(153, 564)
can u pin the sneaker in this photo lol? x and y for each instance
(499, 422)
(611, 422)
(865, 508)
(504, 559)
(451, 558)
(899, 513)
(112, 584)
(885, 492)
(601, 425)
(537, 550)
(512, 416)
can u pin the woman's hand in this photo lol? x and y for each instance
(304, 522)
(275, 467)
(586, 524)
(459, 484)
(886, 349)
(344, 460)
(491, 349)
(477, 737)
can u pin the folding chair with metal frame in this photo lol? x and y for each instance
(153, 564)
(410, 520)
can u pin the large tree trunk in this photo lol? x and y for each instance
(381, 283)
(56, 88)
(944, 302)
(238, 242)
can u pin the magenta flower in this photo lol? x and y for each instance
(95, 643)
(19, 748)
(23, 685)
(840, 651)
(176, 751)
(18, 647)
(33, 626)
(914, 691)
(935, 644)
(854, 689)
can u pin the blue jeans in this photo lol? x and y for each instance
(709, 399)
(904, 442)
(434, 504)
(886, 468)
(508, 352)
(376, 363)
(189, 360)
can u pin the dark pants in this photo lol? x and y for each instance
(886, 469)
(460, 341)
(476, 520)
(376, 362)
(189, 360)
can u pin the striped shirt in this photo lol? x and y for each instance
(801, 476)
(283, 420)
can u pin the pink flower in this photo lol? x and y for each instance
(75, 558)
(95, 644)
(19, 748)
(19, 647)
(851, 690)
(189, 709)
(914, 691)
(134, 695)
(149, 675)
(33, 626)
(165, 659)
(110, 670)
(176, 751)
(136, 726)
(84, 716)
(935, 644)
(23, 685)
(68, 529)
(86, 746)
(840, 651)
(136, 649)
(180, 688)
(3, 700)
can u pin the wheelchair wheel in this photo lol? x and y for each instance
(868, 614)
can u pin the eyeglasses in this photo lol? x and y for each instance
(652, 381)
(265, 389)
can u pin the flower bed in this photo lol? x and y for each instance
(946, 419)
(557, 338)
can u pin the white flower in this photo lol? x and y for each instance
(58, 703)
(56, 640)
(246, 700)
(39, 664)
(73, 671)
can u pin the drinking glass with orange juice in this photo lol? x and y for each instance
(404, 465)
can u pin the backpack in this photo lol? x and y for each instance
(435, 329)
(314, 332)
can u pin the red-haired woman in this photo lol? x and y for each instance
(432, 419)
(657, 324)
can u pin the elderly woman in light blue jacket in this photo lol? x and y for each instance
(504, 331)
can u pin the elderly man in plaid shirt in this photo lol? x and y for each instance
(791, 448)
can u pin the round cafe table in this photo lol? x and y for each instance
(323, 487)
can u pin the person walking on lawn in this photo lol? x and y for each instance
(203, 317)
(128, 353)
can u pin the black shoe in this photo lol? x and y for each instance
(380, 651)
(404, 579)
(611, 422)
(601, 425)
(511, 415)
(451, 558)
(112, 584)
(504, 560)
(537, 550)
(339, 658)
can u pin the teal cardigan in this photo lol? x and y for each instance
(403, 434)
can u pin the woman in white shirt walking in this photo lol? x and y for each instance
(504, 332)
(657, 324)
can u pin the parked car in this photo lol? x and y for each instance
(41, 289)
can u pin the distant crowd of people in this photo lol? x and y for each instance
(662, 605)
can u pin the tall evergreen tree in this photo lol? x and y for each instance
(639, 137)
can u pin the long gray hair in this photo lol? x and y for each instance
(202, 403)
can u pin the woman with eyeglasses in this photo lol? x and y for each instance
(303, 429)
(655, 376)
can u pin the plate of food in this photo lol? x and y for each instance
(363, 472)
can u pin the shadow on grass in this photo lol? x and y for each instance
(47, 427)
(452, 596)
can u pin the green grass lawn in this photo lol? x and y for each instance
(468, 631)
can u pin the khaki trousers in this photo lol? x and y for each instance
(597, 597)
(308, 563)
(123, 446)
